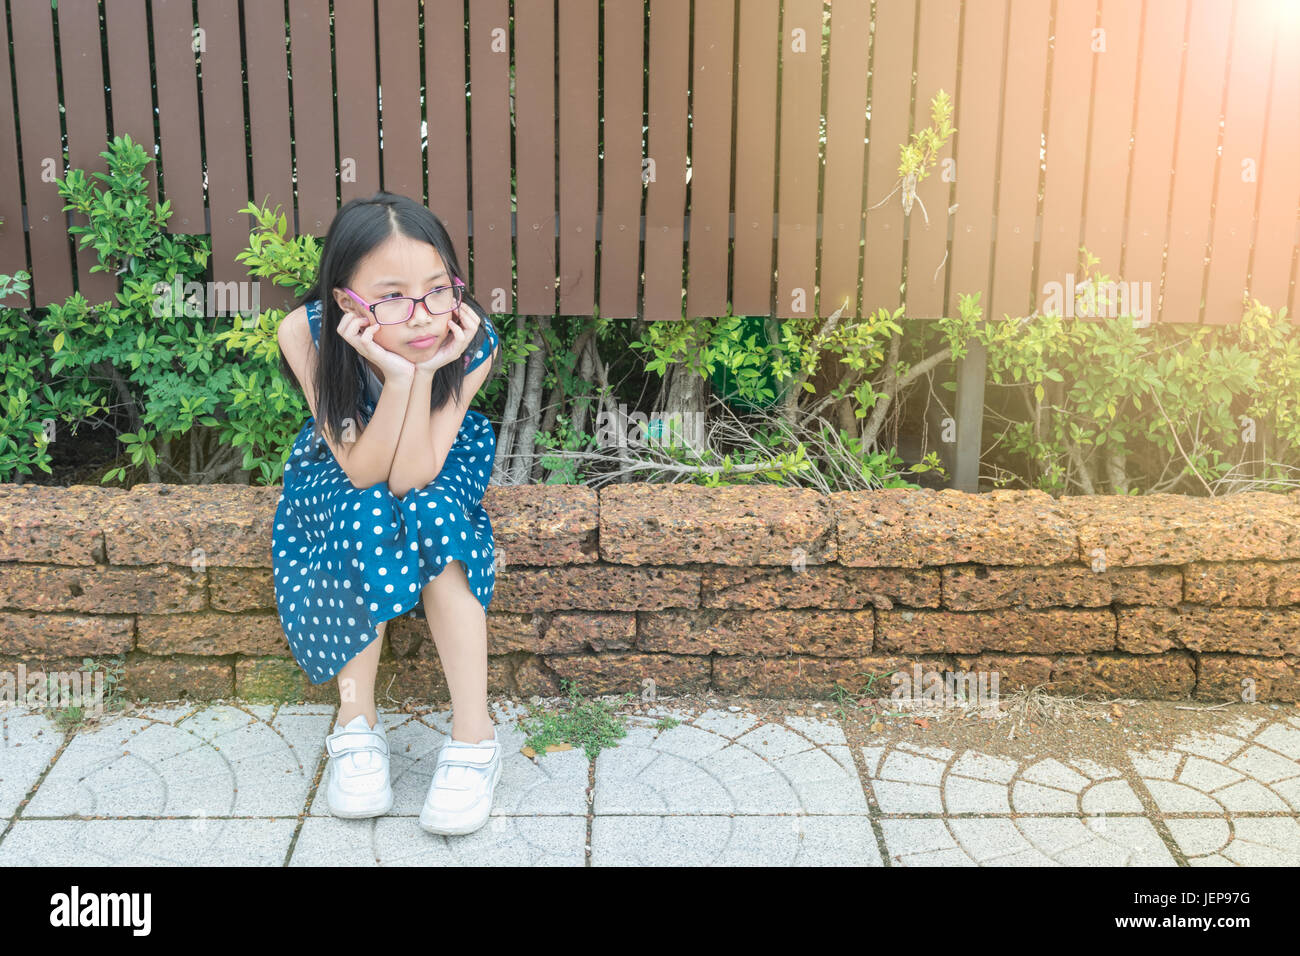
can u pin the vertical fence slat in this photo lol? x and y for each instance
(1153, 139)
(42, 141)
(665, 204)
(399, 80)
(444, 84)
(181, 156)
(268, 106)
(975, 152)
(268, 124)
(710, 186)
(1022, 132)
(579, 45)
(1279, 178)
(1108, 154)
(313, 114)
(975, 149)
(846, 130)
(1243, 134)
(535, 214)
(624, 115)
(801, 95)
(1198, 140)
(751, 286)
(13, 247)
(223, 137)
(86, 119)
(131, 95)
(891, 107)
(1067, 135)
(489, 65)
(927, 241)
(358, 98)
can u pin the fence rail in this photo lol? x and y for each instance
(1162, 134)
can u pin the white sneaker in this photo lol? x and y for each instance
(359, 784)
(460, 795)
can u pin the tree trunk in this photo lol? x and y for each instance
(586, 364)
(510, 416)
(553, 402)
(109, 371)
(890, 385)
(681, 399)
(847, 420)
(1081, 470)
(530, 412)
(1116, 472)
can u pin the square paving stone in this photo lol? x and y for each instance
(28, 742)
(399, 841)
(1025, 841)
(196, 842)
(1238, 841)
(693, 768)
(946, 782)
(738, 840)
(1219, 774)
(221, 761)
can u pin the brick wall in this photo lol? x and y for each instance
(753, 590)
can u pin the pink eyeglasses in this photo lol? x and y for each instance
(400, 308)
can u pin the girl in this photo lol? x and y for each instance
(382, 510)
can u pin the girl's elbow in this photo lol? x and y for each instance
(363, 480)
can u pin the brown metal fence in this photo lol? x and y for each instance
(1161, 134)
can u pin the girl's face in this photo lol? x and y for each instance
(401, 266)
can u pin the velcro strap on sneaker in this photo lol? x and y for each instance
(476, 757)
(348, 741)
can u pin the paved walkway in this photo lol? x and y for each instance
(232, 783)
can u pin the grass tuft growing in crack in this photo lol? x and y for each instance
(845, 699)
(76, 700)
(589, 724)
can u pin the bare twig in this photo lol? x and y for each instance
(1174, 431)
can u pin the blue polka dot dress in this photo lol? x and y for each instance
(345, 559)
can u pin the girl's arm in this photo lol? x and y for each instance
(427, 436)
(367, 458)
(371, 456)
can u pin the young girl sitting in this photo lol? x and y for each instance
(382, 504)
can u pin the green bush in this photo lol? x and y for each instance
(265, 410)
(153, 349)
(1123, 408)
(29, 401)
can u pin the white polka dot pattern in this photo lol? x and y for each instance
(345, 559)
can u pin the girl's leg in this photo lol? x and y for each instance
(459, 629)
(356, 682)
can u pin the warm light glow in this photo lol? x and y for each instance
(1286, 12)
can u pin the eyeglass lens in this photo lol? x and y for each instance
(395, 310)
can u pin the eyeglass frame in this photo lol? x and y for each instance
(456, 284)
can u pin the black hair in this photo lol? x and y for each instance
(359, 227)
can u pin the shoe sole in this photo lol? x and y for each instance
(359, 814)
(463, 829)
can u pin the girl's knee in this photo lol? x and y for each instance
(453, 575)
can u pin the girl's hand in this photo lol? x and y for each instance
(463, 325)
(359, 332)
